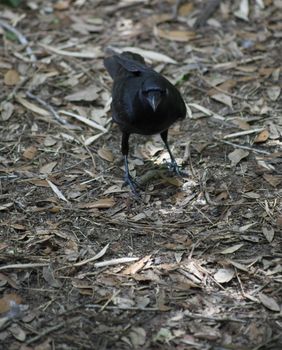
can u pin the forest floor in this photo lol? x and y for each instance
(197, 262)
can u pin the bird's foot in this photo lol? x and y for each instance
(174, 167)
(128, 180)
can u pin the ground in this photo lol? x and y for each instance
(195, 263)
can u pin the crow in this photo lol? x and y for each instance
(143, 102)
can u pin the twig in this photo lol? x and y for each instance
(50, 109)
(22, 39)
(45, 332)
(243, 133)
(243, 147)
(109, 300)
(210, 318)
(115, 262)
(23, 266)
(84, 120)
(135, 308)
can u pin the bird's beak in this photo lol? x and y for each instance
(154, 99)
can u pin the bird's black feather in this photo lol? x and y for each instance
(144, 102)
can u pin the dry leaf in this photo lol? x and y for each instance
(5, 206)
(273, 180)
(174, 35)
(49, 141)
(243, 11)
(11, 77)
(237, 155)
(268, 302)
(137, 266)
(105, 154)
(222, 98)
(30, 152)
(148, 54)
(268, 233)
(7, 109)
(262, 136)
(232, 249)
(137, 336)
(61, 5)
(88, 94)
(103, 203)
(8, 301)
(273, 92)
(224, 275)
(185, 9)
(47, 168)
(57, 191)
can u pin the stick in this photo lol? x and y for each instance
(22, 39)
(50, 109)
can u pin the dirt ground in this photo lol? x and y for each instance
(196, 263)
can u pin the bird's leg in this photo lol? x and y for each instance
(173, 165)
(128, 179)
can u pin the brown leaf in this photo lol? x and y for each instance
(8, 300)
(61, 5)
(103, 203)
(261, 137)
(105, 154)
(273, 180)
(185, 9)
(30, 152)
(137, 266)
(11, 77)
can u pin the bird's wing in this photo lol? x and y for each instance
(127, 62)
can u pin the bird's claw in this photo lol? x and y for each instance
(173, 167)
(128, 180)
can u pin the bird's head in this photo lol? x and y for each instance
(153, 93)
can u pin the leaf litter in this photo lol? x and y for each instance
(83, 263)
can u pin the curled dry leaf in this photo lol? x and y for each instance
(237, 155)
(262, 137)
(224, 275)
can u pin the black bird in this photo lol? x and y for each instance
(144, 102)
